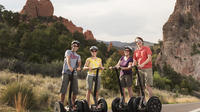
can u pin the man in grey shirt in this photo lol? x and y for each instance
(72, 62)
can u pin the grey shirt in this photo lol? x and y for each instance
(74, 59)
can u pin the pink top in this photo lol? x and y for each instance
(141, 55)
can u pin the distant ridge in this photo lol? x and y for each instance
(119, 44)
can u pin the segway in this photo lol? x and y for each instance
(153, 104)
(79, 105)
(118, 104)
(101, 104)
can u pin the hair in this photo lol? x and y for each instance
(140, 38)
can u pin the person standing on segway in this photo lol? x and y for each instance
(143, 59)
(125, 63)
(92, 62)
(72, 61)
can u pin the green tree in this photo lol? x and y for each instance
(109, 77)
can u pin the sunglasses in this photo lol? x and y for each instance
(75, 46)
(127, 50)
(137, 41)
(93, 51)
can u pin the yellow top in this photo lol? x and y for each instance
(94, 63)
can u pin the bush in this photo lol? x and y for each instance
(14, 89)
(109, 78)
(161, 82)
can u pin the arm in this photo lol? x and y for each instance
(86, 66)
(129, 66)
(79, 65)
(68, 63)
(118, 64)
(146, 61)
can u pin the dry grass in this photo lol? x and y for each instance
(47, 90)
(20, 103)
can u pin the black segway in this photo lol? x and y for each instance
(79, 105)
(118, 104)
(100, 105)
(153, 104)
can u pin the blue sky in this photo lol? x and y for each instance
(112, 20)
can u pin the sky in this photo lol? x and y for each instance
(112, 20)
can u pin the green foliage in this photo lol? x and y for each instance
(161, 82)
(109, 77)
(40, 41)
(51, 69)
(180, 83)
(12, 91)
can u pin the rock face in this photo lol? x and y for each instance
(88, 35)
(181, 39)
(70, 26)
(35, 8)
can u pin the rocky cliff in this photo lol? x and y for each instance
(44, 8)
(35, 8)
(181, 39)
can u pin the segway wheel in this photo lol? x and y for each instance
(115, 104)
(79, 106)
(136, 104)
(103, 104)
(154, 104)
(59, 107)
(130, 104)
(85, 106)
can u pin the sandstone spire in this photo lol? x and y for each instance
(35, 8)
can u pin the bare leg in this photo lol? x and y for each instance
(62, 98)
(124, 95)
(73, 99)
(149, 89)
(97, 94)
(130, 92)
(88, 96)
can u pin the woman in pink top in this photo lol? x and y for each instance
(143, 59)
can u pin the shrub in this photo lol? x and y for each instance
(161, 82)
(109, 78)
(26, 92)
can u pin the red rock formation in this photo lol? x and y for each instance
(109, 47)
(70, 26)
(88, 35)
(35, 8)
(180, 34)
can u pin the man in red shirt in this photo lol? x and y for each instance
(143, 59)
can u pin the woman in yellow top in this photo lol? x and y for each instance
(92, 62)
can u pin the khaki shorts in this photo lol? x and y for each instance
(146, 77)
(89, 82)
(65, 82)
(126, 80)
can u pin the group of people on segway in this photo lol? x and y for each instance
(141, 59)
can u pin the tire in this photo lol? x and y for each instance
(136, 104)
(115, 104)
(103, 104)
(85, 106)
(130, 104)
(79, 106)
(154, 104)
(59, 107)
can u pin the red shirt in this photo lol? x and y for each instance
(141, 55)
